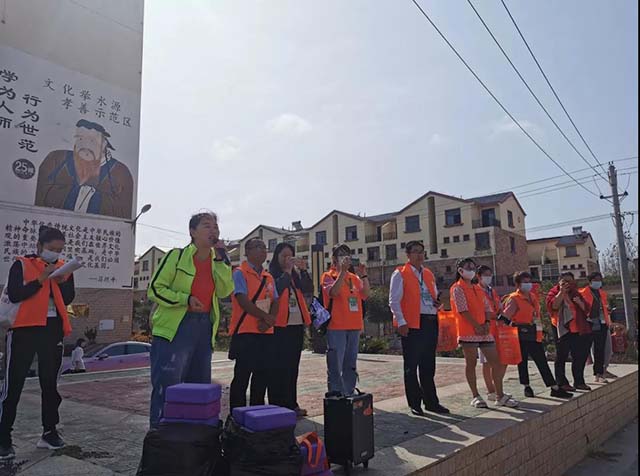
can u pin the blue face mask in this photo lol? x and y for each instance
(526, 287)
(596, 284)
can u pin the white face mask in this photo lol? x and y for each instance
(487, 280)
(467, 274)
(596, 284)
(526, 287)
(49, 256)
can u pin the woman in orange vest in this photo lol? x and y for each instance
(343, 293)
(472, 310)
(600, 321)
(292, 283)
(254, 307)
(485, 281)
(522, 309)
(40, 326)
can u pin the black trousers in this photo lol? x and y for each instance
(419, 354)
(283, 380)
(253, 362)
(599, 347)
(535, 350)
(22, 345)
(578, 346)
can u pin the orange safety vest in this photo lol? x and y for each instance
(282, 319)
(587, 294)
(411, 294)
(33, 311)
(475, 302)
(253, 279)
(342, 316)
(528, 311)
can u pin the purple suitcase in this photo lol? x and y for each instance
(214, 421)
(239, 412)
(190, 411)
(270, 419)
(196, 393)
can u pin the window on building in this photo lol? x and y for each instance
(272, 245)
(359, 251)
(373, 253)
(483, 241)
(590, 253)
(326, 255)
(453, 217)
(456, 239)
(511, 281)
(571, 251)
(159, 259)
(391, 252)
(448, 269)
(466, 238)
(136, 282)
(351, 233)
(321, 237)
(402, 245)
(489, 217)
(583, 274)
(447, 239)
(443, 253)
(580, 266)
(565, 267)
(510, 219)
(512, 242)
(145, 265)
(573, 266)
(412, 224)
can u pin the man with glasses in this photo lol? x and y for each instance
(414, 302)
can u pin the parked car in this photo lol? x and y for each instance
(116, 356)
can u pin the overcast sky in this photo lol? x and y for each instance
(282, 110)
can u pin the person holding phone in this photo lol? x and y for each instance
(343, 293)
(473, 312)
(414, 300)
(569, 312)
(186, 287)
(292, 283)
(253, 315)
(41, 324)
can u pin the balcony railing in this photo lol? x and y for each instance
(390, 235)
(372, 238)
(486, 223)
(483, 252)
(302, 247)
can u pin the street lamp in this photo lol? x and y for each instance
(143, 210)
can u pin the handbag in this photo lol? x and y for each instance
(527, 332)
(8, 309)
(233, 345)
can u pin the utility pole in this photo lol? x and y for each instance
(622, 252)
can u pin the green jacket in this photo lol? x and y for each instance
(170, 288)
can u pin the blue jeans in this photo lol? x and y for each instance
(185, 359)
(342, 357)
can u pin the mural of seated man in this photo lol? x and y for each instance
(86, 179)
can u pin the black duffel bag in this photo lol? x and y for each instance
(179, 449)
(264, 453)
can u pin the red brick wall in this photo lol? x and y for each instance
(112, 304)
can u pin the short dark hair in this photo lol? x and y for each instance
(340, 247)
(251, 243)
(47, 234)
(79, 342)
(595, 275)
(409, 246)
(567, 273)
(519, 276)
(195, 220)
(460, 264)
(483, 268)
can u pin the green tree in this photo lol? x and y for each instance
(377, 308)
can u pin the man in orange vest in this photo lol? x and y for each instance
(414, 302)
(253, 315)
(343, 293)
(600, 321)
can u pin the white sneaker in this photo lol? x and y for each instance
(492, 397)
(600, 379)
(507, 401)
(478, 402)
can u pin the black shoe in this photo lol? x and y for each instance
(528, 392)
(417, 411)
(561, 393)
(7, 452)
(439, 409)
(583, 387)
(51, 441)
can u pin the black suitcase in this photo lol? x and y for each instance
(348, 430)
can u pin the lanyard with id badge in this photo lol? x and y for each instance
(353, 300)
(425, 295)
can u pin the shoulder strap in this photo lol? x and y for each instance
(253, 300)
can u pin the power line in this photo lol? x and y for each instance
(550, 85)
(531, 91)
(506, 111)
